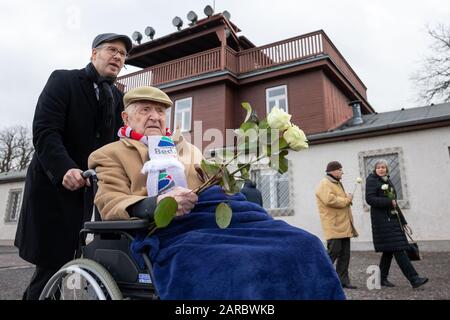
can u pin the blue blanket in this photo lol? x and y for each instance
(256, 257)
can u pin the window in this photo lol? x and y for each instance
(277, 96)
(183, 114)
(274, 189)
(13, 205)
(168, 118)
(394, 170)
(394, 158)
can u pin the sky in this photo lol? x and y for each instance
(384, 41)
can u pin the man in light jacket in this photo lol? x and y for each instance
(336, 219)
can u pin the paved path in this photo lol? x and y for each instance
(15, 274)
(435, 266)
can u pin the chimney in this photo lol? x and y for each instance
(357, 118)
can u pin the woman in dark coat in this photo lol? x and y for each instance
(387, 226)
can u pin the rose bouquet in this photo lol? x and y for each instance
(390, 193)
(271, 138)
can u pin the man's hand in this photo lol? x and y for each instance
(185, 198)
(73, 180)
(394, 203)
(349, 196)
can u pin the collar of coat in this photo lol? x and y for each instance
(335, 181)
(332, 179)
(388, 180)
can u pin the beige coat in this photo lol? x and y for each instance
(334, 208)
(121, 183)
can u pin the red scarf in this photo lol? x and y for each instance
(128, 132)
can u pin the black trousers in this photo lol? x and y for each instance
(403, 262)
(339, 251)
(38, 281)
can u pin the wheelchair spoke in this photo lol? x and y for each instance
(61, 294)
(82, 279)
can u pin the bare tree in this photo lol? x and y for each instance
(433, 78)
(16, 148)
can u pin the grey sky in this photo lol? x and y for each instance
(383, 40)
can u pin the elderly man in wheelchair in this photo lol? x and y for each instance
(256, 257)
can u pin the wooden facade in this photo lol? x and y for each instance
(319, 82)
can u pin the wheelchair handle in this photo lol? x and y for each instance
(88, 173)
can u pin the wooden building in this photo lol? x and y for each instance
(208, 70)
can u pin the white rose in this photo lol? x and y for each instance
(278, 119)
(296, 138)
(358, 180)
(384, 187)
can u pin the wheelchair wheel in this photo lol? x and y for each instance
(81, 279)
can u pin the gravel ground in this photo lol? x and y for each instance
(435, 266)
(16, 273)
(13, 282)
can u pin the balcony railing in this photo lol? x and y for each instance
(282, 52)
(200, 63)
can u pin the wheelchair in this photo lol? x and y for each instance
(104, 268)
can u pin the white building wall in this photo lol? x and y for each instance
(7, 229)
(427, 169)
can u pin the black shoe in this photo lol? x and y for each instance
(387, 283)
(349, 286)
(417, 282)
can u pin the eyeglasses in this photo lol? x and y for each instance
(113, 51)
(146, 110)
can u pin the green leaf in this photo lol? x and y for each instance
(268, 135)
(248, 144)
(225, 155)
(223, 215)
(239, 185)
(209, 167)
(229, 183)
(244, 169)
(242, 147)
(279, 162)
(264, 124)
(282, 144)
(165, 212)
(249, 125)
(267, 150)
(247, 107)
(226, 180)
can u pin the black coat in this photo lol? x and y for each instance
(386, 229)
(251, 193)
(64, 134)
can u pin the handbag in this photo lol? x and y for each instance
(413, 248)
(413, 252)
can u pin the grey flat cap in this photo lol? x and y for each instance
(107, 37)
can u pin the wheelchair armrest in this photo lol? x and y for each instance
(135, 224)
